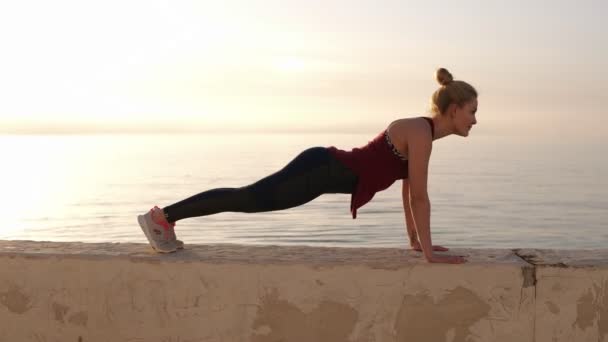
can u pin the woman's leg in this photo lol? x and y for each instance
(311, 174)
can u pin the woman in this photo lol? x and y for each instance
(402, 151)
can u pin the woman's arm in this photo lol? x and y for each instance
(419, 152)
(420, 146)
(409, 220)
(407, 209)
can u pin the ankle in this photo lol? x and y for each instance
(158, 216)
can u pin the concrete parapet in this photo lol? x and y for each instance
(124, 292)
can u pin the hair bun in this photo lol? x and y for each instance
(443, 76)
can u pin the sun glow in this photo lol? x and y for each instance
(25, 181)
(215, 63)
(290, 64)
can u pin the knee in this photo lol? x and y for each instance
(257, 199)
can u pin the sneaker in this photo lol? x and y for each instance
(170, 229)
(178, 243)
(161, 236)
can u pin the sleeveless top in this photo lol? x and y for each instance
(378, 165)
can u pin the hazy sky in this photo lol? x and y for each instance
(73, 65)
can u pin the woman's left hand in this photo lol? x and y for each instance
(416, 246)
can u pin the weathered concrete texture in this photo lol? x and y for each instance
(571, 294)
(124, 292)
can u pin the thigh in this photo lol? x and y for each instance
(342, 179)
(311, 174)
(316, 171)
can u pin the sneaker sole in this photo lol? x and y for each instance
(144, 226)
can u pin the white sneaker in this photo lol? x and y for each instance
(178, 243)
(161, 238)
(171, 230)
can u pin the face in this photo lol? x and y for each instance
(463, 117)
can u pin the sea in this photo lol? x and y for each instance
(485, 191)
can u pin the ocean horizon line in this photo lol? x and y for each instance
(185, 132)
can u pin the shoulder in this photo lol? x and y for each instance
(408, 124)
(403, 132)
(418, 129)
(414, 120)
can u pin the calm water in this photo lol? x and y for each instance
(485, 191)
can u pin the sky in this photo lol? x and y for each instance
(71, 66)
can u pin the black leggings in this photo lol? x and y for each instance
(312, 173)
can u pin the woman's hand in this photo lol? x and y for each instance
(444, 259)
(416, 246)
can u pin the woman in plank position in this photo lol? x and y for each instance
(401, 151)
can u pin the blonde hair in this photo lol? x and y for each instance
(458, 92)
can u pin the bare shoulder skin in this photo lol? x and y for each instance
(399, 131)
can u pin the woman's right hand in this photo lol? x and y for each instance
(447, 259)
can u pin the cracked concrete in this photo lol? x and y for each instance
(571, 293)
(98, 292)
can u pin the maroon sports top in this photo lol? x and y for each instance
(377, 164)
